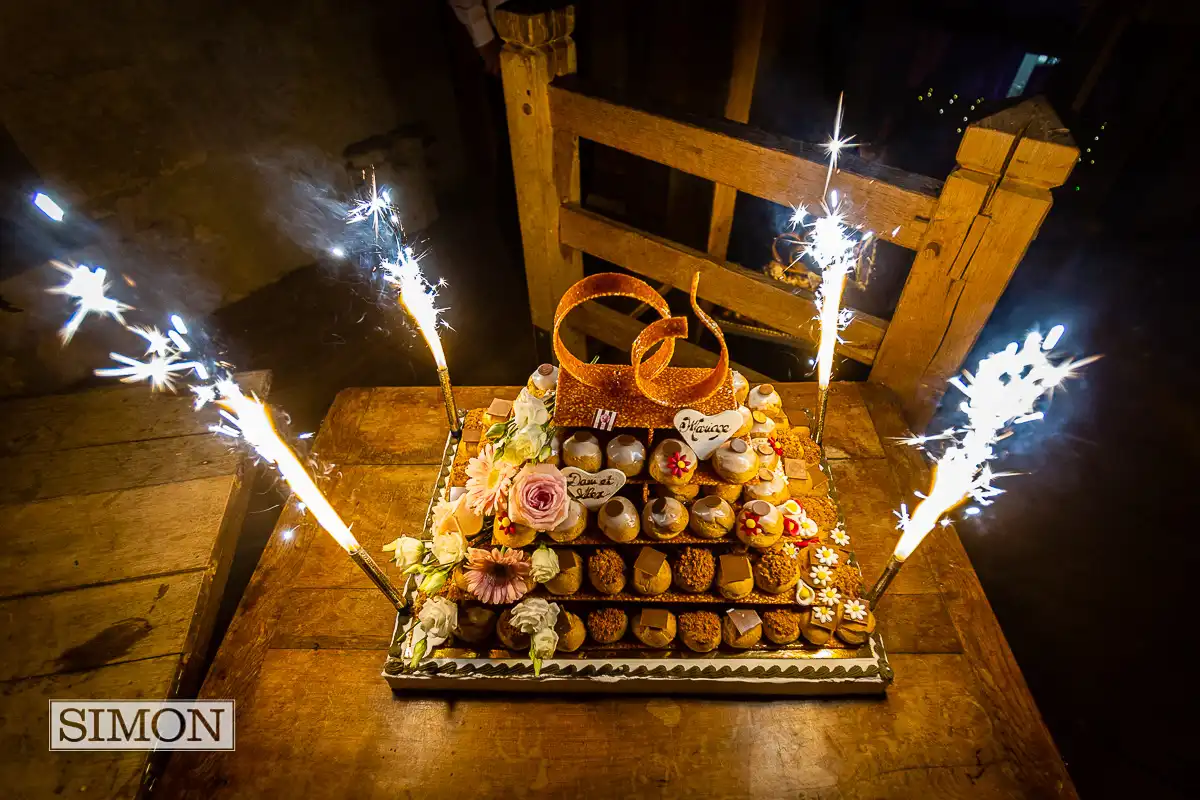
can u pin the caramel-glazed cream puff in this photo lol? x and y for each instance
(664, 518)
(618, 520)
(582, 451)
(673, 463)
(627, 454)
(711, 518)
(735, 461)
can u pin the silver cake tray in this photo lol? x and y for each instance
(800, 669)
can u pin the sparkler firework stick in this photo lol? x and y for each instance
(417, 295)
(162, 365)
(1002, 393)
(248, 418)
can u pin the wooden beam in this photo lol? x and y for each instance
(897, 205)
(747, 45)
(729, 285)
(617, 329)
(990, 210)
(545, 161)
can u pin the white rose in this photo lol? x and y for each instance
(408, 551)
(449, 547)
(543, 644)
(525, 444)
(529, 410)
(534, 614)
(545, 564)
(438, 618)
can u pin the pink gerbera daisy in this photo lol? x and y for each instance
(488, 482)
(497, 576)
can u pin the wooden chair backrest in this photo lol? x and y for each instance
(969, 232)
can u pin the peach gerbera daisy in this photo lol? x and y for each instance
(497, 576)
(488, 482)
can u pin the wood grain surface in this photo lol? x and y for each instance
(119, 517)
(315, 719)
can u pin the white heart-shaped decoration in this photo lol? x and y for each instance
(593, 489)
(704, 432)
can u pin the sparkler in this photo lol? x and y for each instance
(1003, 392)
(248, 418)
(89, 288)
(417, 296)
(163, 364)
(834, 249)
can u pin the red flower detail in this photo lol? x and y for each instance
(776, 446)
(750, 523)
(806, 542)
(678, 463)
(790, 526)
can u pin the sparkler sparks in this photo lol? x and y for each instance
(1002, 393)
(89, 287)
(377, 207)
(418, 297)
(835, 144)
(248, 418)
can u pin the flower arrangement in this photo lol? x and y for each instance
(497, 576)
(537, 617)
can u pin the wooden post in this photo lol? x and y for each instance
(989, 211)
(747, 45)
(537, 48)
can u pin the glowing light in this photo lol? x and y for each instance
(377, 206)
(418, 297)
(160, 371)
(287, 534)
(835, 144)
(48, 207)
(834, 250)
(89, 288)
(1001, 393)
(337, 252)
(799, 214)
(156, 343)
(248, 418)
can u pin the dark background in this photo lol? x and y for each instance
(177, 135)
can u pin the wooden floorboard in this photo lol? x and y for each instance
(98, 538)
(73, 631)
(109, 415)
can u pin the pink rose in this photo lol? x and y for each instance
(539, 497)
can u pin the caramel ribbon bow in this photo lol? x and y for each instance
(650, 375)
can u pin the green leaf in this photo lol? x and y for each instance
(413, 570)
(418, 652)
(537, 664)
(496, 431)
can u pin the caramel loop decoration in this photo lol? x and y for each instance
(612, 284)
(666, 389)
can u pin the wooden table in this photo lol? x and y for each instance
(315, 719)
(119, 515)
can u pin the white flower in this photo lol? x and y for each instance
(543, 643)
(855, 609)
(438, 618)
(808, 526)
(789, 550)
(827, 556)
(545, 564)
(823, 614)
(525, 444)
(829, 596)
(804, 594)
(840, 538)
(449, 547)
(821, 574)
(529, 410)
(408, 551)
(534, 614)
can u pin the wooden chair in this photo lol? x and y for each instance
(969, 231)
